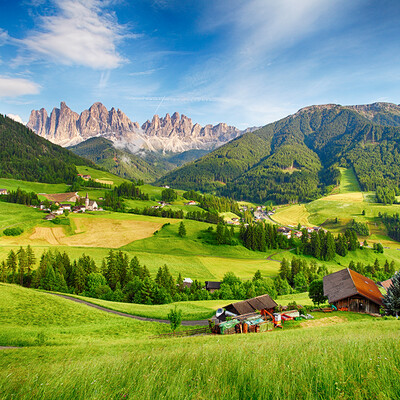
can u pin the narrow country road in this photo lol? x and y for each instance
(278, 252)
(203, 322)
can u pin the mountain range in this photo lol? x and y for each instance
(297, 158)
(175, 134)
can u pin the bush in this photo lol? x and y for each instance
(13, 231)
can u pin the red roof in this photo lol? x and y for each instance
(386, 284)
(366, 287)
(347, 283)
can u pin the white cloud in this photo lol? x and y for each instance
(16, 118)
(80, 33)
(14, 87)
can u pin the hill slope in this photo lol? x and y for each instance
(296, 158)
(26, 156)
(117, 161)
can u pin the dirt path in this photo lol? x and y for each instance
(203, 322)
(278, 252)
(9, 347)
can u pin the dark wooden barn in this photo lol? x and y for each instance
(351, 290)
(264, 302)
(212, 286)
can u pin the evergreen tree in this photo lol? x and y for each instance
(284, 271)
(330, 247)
(31, 259)
(220, 234)
(22, 264)
(182, 229)
(12, 263)
(79, 278)
(391, 300)
(3, 271)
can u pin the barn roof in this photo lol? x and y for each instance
(213, 285)
(386, 284)
(251, 305)
(347, 283)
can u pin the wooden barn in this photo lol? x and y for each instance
(347, 289)
(264, 302)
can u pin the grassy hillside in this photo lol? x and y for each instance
(86, 354)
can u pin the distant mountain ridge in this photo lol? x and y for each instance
(296, 158)
(175, 134)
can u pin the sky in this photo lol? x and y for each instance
(246, 63)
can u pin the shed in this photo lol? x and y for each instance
(264, 302)
(212, 286)
(351, 290)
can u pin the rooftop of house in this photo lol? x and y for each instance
(251, 305)
(347, 283)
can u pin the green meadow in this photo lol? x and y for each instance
(196, 255)
(71, 351)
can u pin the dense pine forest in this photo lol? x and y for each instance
(26, 156)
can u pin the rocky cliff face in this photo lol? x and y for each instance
(173, 134)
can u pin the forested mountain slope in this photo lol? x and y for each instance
(24, 155)
(296, 158)
(117, 161)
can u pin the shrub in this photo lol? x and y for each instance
(13, 231)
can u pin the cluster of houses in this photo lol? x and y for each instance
(90, 205)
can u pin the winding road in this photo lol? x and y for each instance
(203, 322)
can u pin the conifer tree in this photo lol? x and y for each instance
(391, 300)
(182, 229)
(12, 263)
(31, 259)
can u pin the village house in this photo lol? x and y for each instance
(65, 207)
(349, 290)
(190, 203)
(385, 284)
(187, 283)
(79, 209)
(212, 286)
(3, 191)
(86, 177)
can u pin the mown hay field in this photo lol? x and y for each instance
(70, 351)
(292, 215)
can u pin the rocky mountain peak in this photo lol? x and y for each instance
(174, 133)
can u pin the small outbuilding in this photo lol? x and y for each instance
(259, 303)
(347, 289)
(212, 286)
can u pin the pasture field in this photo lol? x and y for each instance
(37, 187)
(17, 215)
(348, 181)
(71, 351)
(292, 215)
(101, 176)
(191, 310)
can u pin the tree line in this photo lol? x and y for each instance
(20, 196)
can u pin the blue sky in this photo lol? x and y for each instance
(245, 63)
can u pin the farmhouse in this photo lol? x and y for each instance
(259, 303)
(212, 286)
(349, 290)
(187, 282)
(190, 203)
(3, 191)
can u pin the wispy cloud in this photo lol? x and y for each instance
(81, 32)
(14, 87)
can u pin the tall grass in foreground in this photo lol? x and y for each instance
(354, 360)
